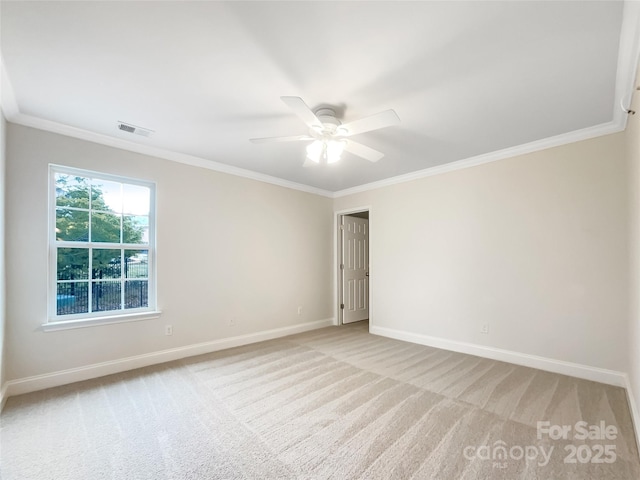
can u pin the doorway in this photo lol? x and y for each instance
(353, 267)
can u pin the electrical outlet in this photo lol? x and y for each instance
(485, 328)
(168, 329)
(299, 310)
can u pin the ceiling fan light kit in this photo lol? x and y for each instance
(329, 135)
(329, 151)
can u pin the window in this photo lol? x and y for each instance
(102, 247)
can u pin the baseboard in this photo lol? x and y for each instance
(610, 377)
(55, 379)
(3, 396)
(633, 407)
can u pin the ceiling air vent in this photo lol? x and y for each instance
(126, 127)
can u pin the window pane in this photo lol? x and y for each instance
(136, 264)
(72, 297)
(135, 229)
(73, 263)
(136, 199)
(96, 212)
(72, 191)
(106, 296)
(136, 294)
(106, 196)
(105, 227)
(106, 263)
(72, 225)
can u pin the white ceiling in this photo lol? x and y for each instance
(466, 78)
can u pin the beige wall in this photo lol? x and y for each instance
(227, 247)
(632, 143)
(534, 245)
(2, 256)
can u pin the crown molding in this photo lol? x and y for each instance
(558, 140)
(11, 111)
(7, 97)
(628, 56)
(55, 127)
(79, 133)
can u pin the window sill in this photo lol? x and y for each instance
(95, 321)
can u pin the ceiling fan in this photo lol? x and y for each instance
(329, 136)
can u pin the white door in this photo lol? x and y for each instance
(355, 269)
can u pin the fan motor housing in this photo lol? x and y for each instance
(328, 118)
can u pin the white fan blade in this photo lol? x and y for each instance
(384, 119)
(303, 111)
(294, 138)
(363, 151)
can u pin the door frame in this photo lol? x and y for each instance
(337, 254)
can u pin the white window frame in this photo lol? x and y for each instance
(58, 322)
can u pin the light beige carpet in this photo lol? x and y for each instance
(333, 403)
